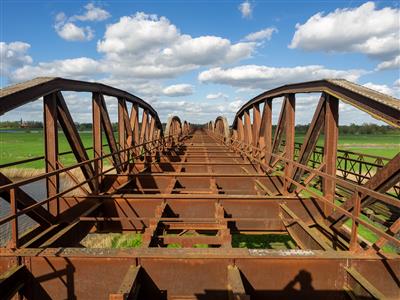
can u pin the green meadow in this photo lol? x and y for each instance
(16, 145)
(386, 145)
(19, 144)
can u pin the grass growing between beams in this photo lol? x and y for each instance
(112, 240)
(254, 241)
(263, 241)
(175, 245)
(363, 232)
(370, 236)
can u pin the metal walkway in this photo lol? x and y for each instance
(223, 212)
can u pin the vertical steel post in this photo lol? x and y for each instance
(248, 135)
(266, 130)
(97, 140)
(121, 130)
(256, 133)
(14, 222)
(151, 136)
(354, 246)
(256, 124)
(289, 142)
(330, 148)
(234, 134)
(51, 150)
(134, 120)
(143, 128)
(279, 130)
(240, 129)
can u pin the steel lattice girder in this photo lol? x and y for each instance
(209, 179)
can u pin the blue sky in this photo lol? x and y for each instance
(200, 59)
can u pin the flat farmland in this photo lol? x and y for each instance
(386, 145)
(16, 145)
(20, 144)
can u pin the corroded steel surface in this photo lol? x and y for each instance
(203, 186)
(379, 105)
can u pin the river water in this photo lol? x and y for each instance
(37, 190)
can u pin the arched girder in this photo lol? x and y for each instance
(174, 126)
(131, 130)
(201, 184)
(221, 127)
(378, 105)
(249, 130)
(252, 135)
(16, 95)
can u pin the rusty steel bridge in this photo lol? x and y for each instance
(190, 185)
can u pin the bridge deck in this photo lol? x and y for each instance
(240, 212)
(198, 193)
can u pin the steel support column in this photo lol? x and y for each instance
(266, 130)
(97, 140)
(289, 136)
(330, 148)
(51, 150)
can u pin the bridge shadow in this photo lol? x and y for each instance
(300, 287)
(39, 287)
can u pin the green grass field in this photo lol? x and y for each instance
(386, 145)
(22, 144)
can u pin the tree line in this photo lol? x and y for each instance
(354, 129)
(39, 125)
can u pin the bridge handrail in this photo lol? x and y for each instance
(36, 158)
(347, 184)
(351, 186)
(19, 94)
(61, 170)
(19, 183)
(379, 105)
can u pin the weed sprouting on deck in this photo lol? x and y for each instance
(263, 241)
(112, 240)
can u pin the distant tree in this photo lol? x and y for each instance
(353, 129)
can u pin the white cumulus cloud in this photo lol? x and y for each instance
(178, 90)
(67, 29)
(246, 8)
(264, 77)
(132, 35)
(70, 32)
(93, 13)
(205, 50)
(141, 46)
(382, 88)
(150, 46)
(396, 88)
(390, 64)
(264, 34)
(217, 96)
(77, 68)
(13, 55)
(364, 29)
